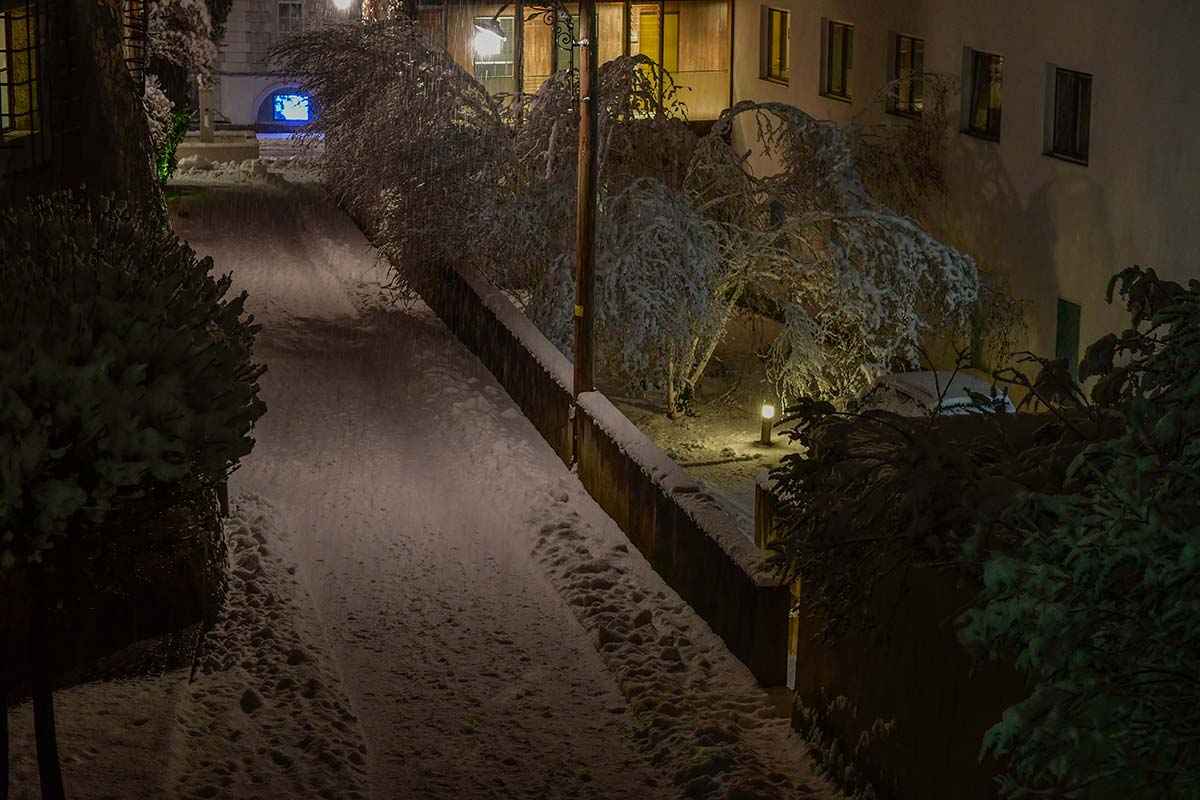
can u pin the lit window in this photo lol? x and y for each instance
(987, 73)
(291, 18)
(910, 65)
(494, 54)
(1072, 114)
(776, 48)
(292, 108)
(18, 70)
(839, 60)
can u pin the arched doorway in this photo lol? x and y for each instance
(284, 108)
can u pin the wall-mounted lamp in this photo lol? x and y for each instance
(768, 414)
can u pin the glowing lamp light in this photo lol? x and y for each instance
(489, 38)
(342, 5)
(768, 414)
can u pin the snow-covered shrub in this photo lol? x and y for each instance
(158, 113)
(657, 259)
(1079, 527)
(168, 127)
(123, 367)
(180, 32)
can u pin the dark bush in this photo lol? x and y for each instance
(123, 369)
(1080, 525)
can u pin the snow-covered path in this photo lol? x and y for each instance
(493, 631)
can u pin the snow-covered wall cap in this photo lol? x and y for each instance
(546, 354)
(680, 486)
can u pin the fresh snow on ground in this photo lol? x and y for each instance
(262, 717)
(265, 715)
(470, 623)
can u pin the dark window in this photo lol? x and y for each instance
(1072, 114)
(839, 60)
(1066, 340)
(777, 45)
(910, 67)
(987, 73)
(291, 18)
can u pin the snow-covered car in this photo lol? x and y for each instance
(916, 394)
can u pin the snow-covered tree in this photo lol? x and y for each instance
(180, 32)
(859, 284)
(446, 173)
(414, 146)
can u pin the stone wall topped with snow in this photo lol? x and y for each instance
(690, 541)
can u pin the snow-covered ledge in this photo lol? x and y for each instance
(696, 547)
(690, 541)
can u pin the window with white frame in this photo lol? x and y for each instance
(291, 17)
(495, 54)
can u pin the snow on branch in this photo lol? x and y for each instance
(445, 173)
(413, 144)
(180, 32)
(860, 283)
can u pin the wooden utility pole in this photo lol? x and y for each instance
(585, 233)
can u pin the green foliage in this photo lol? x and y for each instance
(123, 368)
(165, 160)
(873, 493)
(1098, 598)
(1078, 523)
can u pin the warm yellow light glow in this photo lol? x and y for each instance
(768, 411)
(488, 43)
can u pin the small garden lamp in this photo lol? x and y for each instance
(768, 414)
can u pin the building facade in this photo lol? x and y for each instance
(1074, 153)
(691, 38)
(249, 92)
